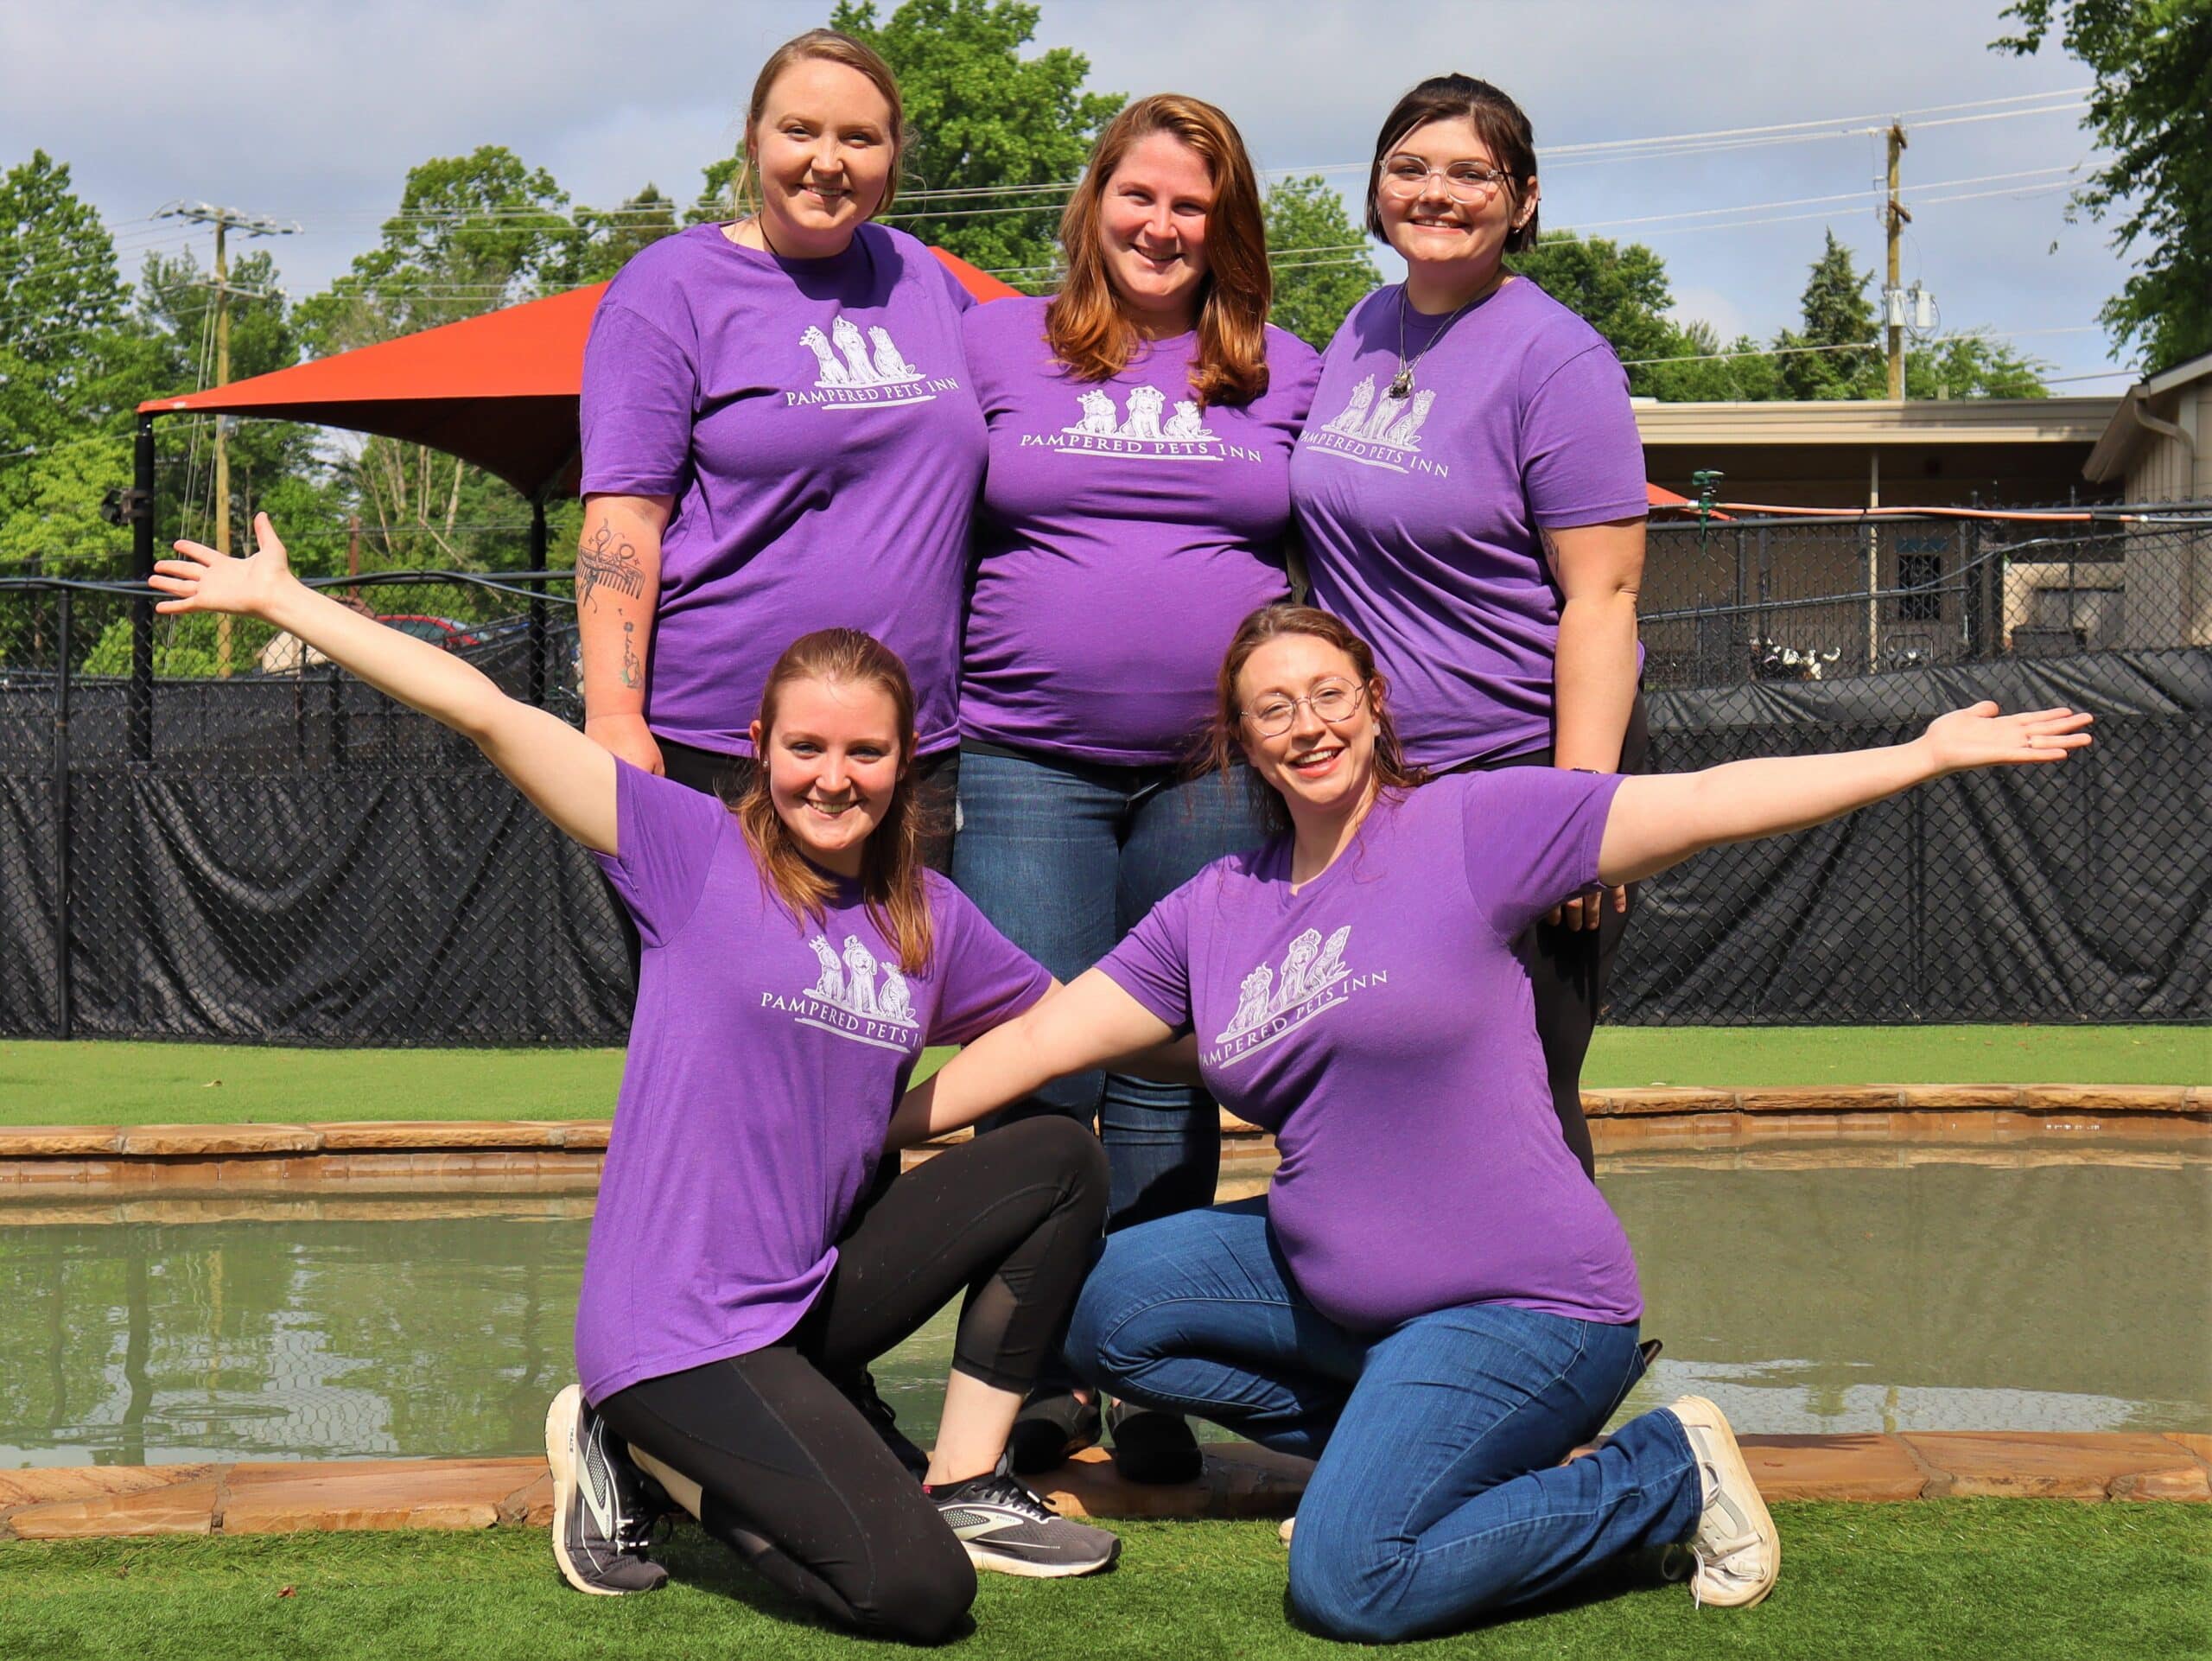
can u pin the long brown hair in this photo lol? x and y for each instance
(892, 880)
(829, 46)
(1498, 122)
(1085, 323)
(1394, 775)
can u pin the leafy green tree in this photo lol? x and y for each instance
(73, 367)
(1620, 292)
(2153, 109)
(472, 234)
(1322, 266)
(1701, 369)
(985, 120)
(1837, 313)
(606, 238)
(1973, 366)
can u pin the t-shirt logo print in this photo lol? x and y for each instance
(1274, 1003)
(1377, 432)
(857, 995)
(853, 372)
(1104, 430)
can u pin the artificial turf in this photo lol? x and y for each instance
(104, 1083)
(2016, 1580)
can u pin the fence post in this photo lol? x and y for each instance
(142, 609)
(536, 682)
(63, 1014)
(1737, 648)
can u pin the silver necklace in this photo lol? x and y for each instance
(1402, 384)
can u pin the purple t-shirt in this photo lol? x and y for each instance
(1423, 516)
(813, 420)
(766, 1058)
(1124, 533)
(1378, 1023)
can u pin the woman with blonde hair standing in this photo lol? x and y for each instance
(1135, 508)
(779, 435)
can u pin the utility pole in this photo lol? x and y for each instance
(252, 225)
(1892, 296)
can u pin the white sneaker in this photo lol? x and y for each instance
(1289, 1527)
(1739, 1552)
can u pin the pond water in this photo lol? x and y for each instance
(1934, 1296)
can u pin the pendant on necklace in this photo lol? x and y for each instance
(1402, 385)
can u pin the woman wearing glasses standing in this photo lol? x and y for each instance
(1471, 492)
(1141, 424)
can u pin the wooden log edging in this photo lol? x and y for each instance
(1241, 1481)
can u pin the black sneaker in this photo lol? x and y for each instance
(1154, 1448)
(862, 1393)
(600, 1513)
(1009, 1530)
(1052, 1427)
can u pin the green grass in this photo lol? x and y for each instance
(93, 1083)
(2011, 1580)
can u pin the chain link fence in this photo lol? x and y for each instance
(246, 844)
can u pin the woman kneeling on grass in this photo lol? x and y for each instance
(1434, 1301)
(797, 958)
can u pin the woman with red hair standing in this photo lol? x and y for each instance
(1135, 508)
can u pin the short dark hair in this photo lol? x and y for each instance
(1498, 122)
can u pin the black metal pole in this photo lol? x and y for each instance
(63, 1022)
(142, 610)
(536, 683)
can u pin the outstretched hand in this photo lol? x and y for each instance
(206, 581)
(1980, 738)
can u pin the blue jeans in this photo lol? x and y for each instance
(1439, 1495)
(1065, 858)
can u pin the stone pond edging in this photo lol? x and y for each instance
(1241, 1481)
(565, 1154)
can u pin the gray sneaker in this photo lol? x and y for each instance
(601, 1516)
(1737, 1549)
(1009, 1530)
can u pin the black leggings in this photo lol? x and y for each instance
(792, 1477)
(1569, 968)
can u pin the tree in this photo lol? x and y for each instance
(985, 120)
(1973, 366)
(73, 366)
(1839, 316)
(1703, 370)
(471, 233)
(1621, 292)
(2152, 109)
(608, 236)
(1322, 267)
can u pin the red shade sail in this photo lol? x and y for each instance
(499, 391)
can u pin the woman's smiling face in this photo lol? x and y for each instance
(832, 764)
(1419, 197)
(822, 152)
(1320, 764)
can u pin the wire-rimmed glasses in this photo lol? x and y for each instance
(1332, 700)
(1468, 182)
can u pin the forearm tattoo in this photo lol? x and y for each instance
(607, 561)
(633, 672)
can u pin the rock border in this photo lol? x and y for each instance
(1241, 1481)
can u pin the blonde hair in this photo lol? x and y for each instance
(1085, 323)
(892, 883)
(825, 45)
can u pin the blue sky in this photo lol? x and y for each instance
(314, 112)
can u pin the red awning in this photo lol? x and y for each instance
(499, 391)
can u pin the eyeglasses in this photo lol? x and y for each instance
(1332, 701)
(1463, 181)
